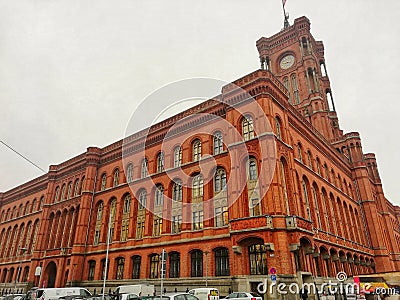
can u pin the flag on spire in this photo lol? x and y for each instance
(283, 2)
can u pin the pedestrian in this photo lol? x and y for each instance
(176, 290)
(304, 293)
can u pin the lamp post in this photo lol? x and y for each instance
(206, 253)
(23, 250)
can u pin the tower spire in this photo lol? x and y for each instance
(285, 16)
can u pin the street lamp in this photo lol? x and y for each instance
(206, 253)
(23, 250)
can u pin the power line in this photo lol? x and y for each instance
(24, 157)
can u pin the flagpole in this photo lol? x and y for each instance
(285, 16)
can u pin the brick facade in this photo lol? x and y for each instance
(321, 209)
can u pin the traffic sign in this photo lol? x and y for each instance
(272, 271)
(273, 277)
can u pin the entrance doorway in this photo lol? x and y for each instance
(50, 274)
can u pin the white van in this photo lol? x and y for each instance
(205, 293)
(137, 289)
(55, 293)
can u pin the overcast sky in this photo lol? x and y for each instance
(72, 72)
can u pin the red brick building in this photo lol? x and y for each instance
(316, 210)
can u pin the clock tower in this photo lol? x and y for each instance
(297, 60)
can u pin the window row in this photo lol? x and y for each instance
(196, 154)
(139, 267)
(22, 210)
(323, 170)
(119, 217)
(18, 241)
(70, 190)
(329, 214)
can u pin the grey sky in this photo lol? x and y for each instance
(72, 72)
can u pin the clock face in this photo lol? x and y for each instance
(287, 61)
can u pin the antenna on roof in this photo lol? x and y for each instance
(285, 16)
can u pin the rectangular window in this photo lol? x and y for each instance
(157, 227)
(176, 224)
(221, 216)
(139, 230)
(198, 220)
(96, 237)
(92, 265)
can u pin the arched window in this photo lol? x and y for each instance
(120, 268)
(286, 84)
(309, 160)
(221, 262)
(76, 188)
(253, 189)
(116, 178)
(83, 181)
(258, 259)
(127, 204)
(100, 211)
(221, 217)
(177, 191)
(125, 218)
(174, 265)
(318, 163)
(63, 190)
(317, 208)
(142, 199)
(177, 156)
(284, 175)
(92, 266)
(219, 180)
(145, 170)
(218, 143)
(129, 173)
(154, 260)
(20, 210)
(196, 258)
(333, 177)
(69, 192)
(103, 182)
(295, 89)
(103, 268)
(27, 209)
(326, 172)
(278, 128)
(196, 149)
(159, 195)
(160, 162)
(247, 128)
(197, 186)
(252, 169)
(113, 211)
(306, 199)
(41, 202)
(57, 194)
(136, 261)
(299, 152)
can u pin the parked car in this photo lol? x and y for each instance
(205, 293)
(100, 297)
(56, 293)
(244, 296)
(174, 296)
